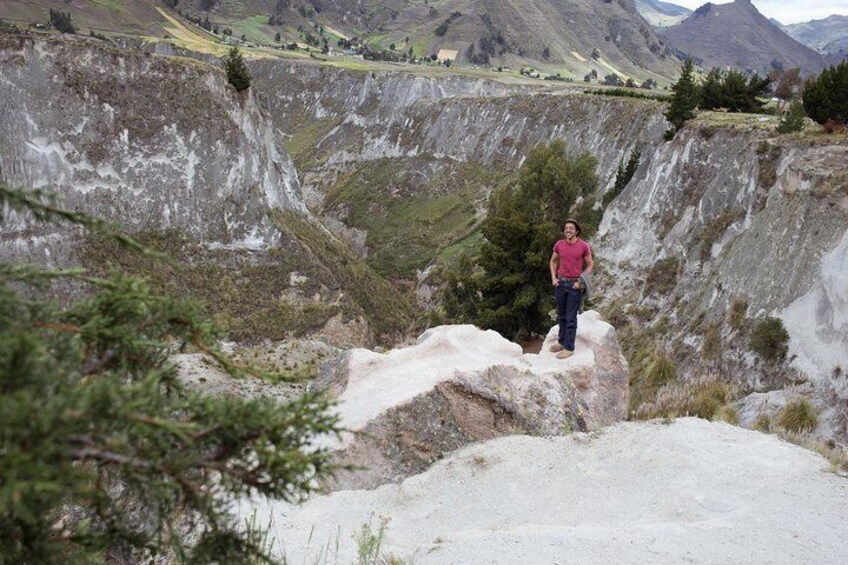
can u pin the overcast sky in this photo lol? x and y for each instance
(785, 11)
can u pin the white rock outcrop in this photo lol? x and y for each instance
(689, 491)
(409, 407)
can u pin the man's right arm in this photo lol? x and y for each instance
(554, 265)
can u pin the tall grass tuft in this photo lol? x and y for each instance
(798, 416)
(703, 398)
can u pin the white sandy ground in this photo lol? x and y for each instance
(690, 491)
(380, 381)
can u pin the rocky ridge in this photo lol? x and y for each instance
(737, 35)
(404, 409)
(147, 141)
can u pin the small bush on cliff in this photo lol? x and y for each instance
(793, 119)
(104, 451)
(623, 175)
(770, 340)
(798, 416)
(237, 73)
(62, 21)
(826, 97)
(703, 398)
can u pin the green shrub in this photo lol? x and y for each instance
(770, 340)
(62, 21)
(662, 278)
(798, 416)
(826, 97)
(104, 449)
(237, 73)
(793, 119)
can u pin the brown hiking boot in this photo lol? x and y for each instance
(556, 348)
(564, 354)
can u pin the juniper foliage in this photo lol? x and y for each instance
(524, 220)
(237, 73)
(684, 100)
(103, 450)
(826, 97)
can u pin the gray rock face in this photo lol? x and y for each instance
(369, 116)
(459, 385)
(149, 141)
(748, 217)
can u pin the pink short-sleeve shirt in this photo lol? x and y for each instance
(571, 257)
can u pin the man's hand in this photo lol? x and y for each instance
(555, 281)
(576, 285)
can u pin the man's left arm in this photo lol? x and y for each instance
(588, 263)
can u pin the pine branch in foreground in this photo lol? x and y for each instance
(104, 451)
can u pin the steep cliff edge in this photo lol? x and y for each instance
(148, 141)
(401, 164)
(167, 149)
(724, 227)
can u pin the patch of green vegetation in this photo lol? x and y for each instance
(301, 146)
(254, 28)
(408, 224)
(770, 340)
(243, 299)
(390, 314)
(469, 245)
(662, 278)
(111, 5)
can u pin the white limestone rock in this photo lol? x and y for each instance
(409, 407)
(690, 491)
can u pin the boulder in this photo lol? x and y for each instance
(405, 409)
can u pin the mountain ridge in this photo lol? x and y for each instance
(737, 35)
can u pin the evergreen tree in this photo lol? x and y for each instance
(523, 222)
(62, 21)
(103, 450)
(711, 90)
(826, 97)
(793, 119)
(684, 100)
(237, 73)
(623, 175)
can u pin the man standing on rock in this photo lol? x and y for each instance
(571, 266)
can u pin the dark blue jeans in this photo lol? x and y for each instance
(567, 303)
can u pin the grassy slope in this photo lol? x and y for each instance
(411, 223)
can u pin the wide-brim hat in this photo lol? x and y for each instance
(572, 221)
